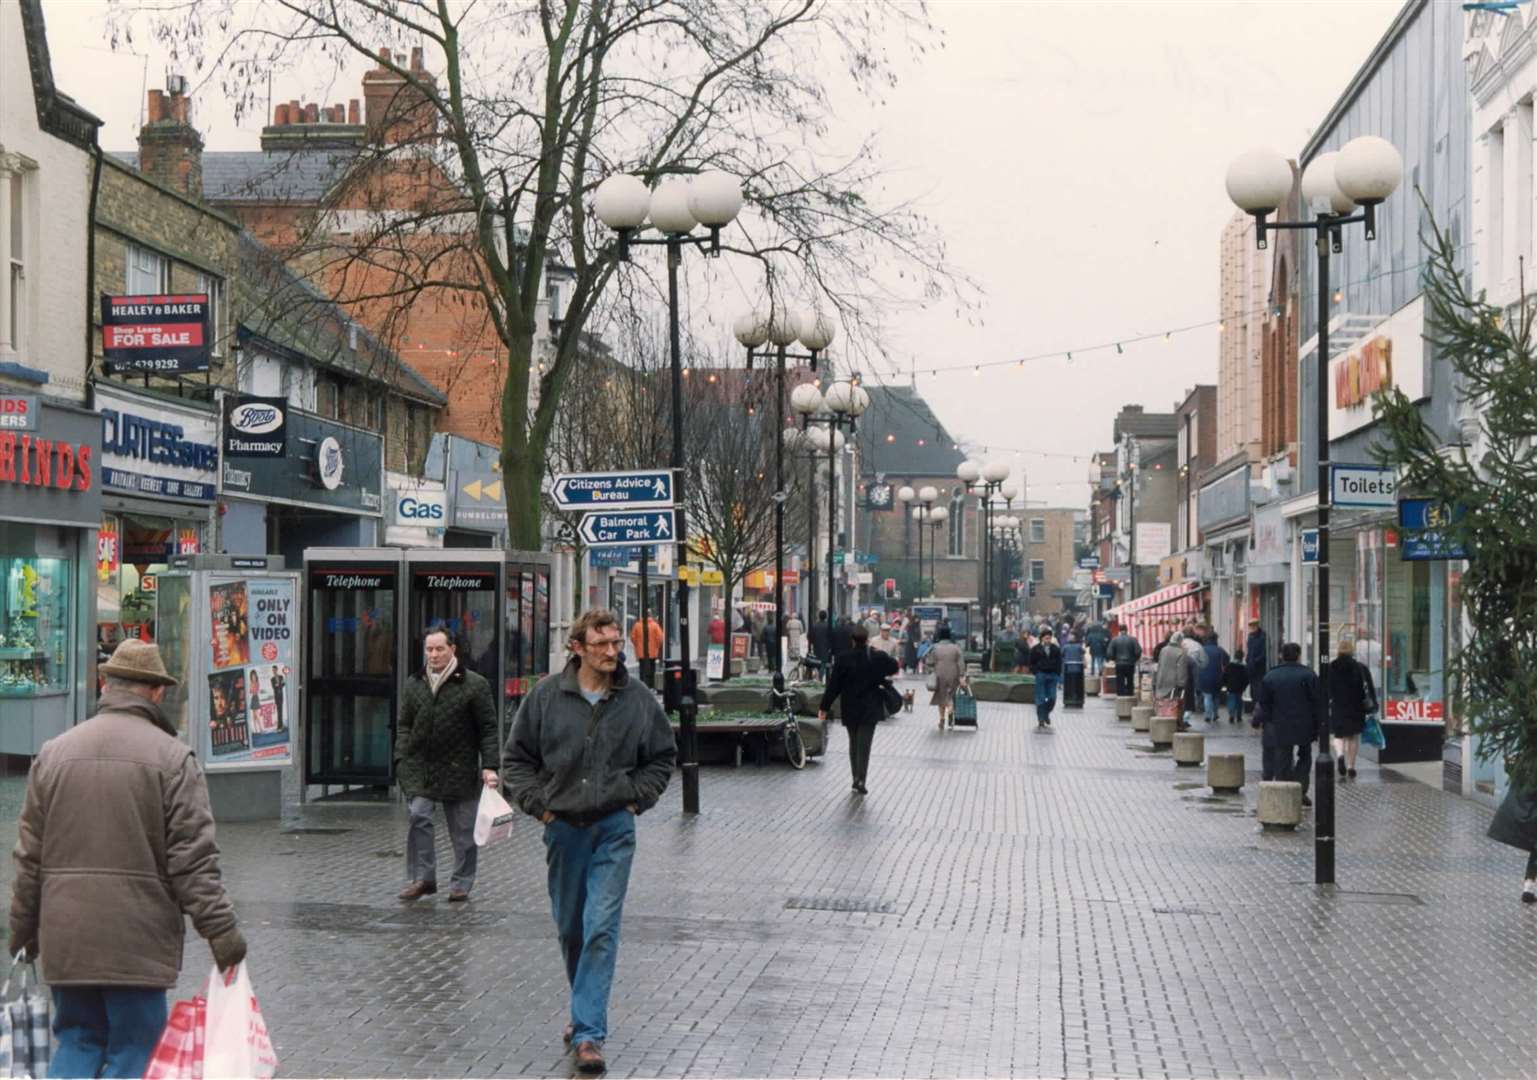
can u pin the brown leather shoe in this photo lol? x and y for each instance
(418, 889)
(589, 1059)
(565, 1035)
(457, 896)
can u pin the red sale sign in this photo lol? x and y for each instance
(1414, 711)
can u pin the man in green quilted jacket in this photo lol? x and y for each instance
(445, 750)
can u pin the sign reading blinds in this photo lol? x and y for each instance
(160, 335)
(255, 427)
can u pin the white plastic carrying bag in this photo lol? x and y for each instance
(236, 1043)
(493, 821)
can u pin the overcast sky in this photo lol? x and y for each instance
(1072, 154)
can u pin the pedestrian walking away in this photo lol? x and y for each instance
(841, 637)
(1256, 652)
(949, 664)
(590, 751)
(1352, 698)
(1124, 652)
(647, 642)
(856, 678)
(1073, 660)
(822, 640)
(1046, 666)
(1290, 714)
(114, 844)
(1235, 680)
(1515, 823)
(445, 749)
(1098, 640)
(1171, 672)
(1211, 678)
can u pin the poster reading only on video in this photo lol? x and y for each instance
(252, 691)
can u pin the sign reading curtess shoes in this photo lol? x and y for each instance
(155, 448)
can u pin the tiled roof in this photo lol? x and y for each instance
(263, 176)
(899, 435)
(280, 306)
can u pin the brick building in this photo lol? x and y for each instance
(902, 443)
(333, 181)
(1048, 539)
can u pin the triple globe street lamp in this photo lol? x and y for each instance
(1362, 173)
(992, 478)
(925, 497)
(781, 328)
(1005, 534)
(823, 416)
(675, 207)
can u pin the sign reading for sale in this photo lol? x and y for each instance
(159, 335)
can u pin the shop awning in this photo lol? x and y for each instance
(1153, 617)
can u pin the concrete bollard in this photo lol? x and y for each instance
(1280, 804)
(1224, 772)
(1123, 707)
(1189, 748)
(1141, 717)
(1162, 730)
(1145, 695)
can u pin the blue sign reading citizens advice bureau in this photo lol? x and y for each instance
(650, 488)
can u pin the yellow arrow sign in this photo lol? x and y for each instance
(472, 489)
(494, 490)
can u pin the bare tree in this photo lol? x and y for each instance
(536, 101)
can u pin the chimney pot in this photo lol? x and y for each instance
(280, 114)
(155, 110)
(295, 112)
(312, 113)
(384, 57)
(180, 108)
(416, 58)
(338, 113)
(354, 112)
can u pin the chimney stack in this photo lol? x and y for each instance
(394, 109)
(170, 148)
(309, 125)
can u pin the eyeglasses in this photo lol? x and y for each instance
(606, 645)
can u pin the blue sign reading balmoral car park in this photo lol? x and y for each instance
(644, 489)
(619, 527)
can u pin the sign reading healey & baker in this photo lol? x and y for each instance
(255, 427)
(160, 335)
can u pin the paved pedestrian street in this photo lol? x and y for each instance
(1002, 903)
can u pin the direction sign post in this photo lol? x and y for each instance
(649, 489)
(621, 528)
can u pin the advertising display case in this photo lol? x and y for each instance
(229, 633)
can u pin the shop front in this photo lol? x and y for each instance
(159, 479)
(50, 509)
(1223, 514)
(1266, 575)
(324, 490)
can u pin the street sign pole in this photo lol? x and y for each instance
(688, 760)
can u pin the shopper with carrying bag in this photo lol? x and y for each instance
(858, 677)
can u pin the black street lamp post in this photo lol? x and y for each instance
(711, 199)
(991, 479)
(779, 329)
(842, 405)
(1363, 173)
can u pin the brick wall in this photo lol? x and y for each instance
(195, 238)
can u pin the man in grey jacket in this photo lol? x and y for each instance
(114, 843)
(590, 750)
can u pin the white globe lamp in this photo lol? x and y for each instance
(817, 331)
(714, 199)
(995, 472)
(669, 208)
(1321, 188)
(1258, 181)
(968, 471)
(622, 201)
(751, 328)
(806, 399)
(1368, 169)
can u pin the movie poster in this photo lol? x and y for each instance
(228, 722)
(254, 624)
(228, 603)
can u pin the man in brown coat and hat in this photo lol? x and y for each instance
(115, 842)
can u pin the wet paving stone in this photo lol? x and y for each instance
(1000, 904)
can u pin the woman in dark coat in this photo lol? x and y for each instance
(856, 677)
(912, 633)
(1352, 697)
(1515, 823)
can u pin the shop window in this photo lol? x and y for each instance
(149, 272)
(132, 551)
(35, 642)
(328, 397)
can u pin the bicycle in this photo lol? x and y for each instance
(795, 745)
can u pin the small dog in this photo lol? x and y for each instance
(907, 701)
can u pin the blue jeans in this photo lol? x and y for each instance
(1045, 696)
(589, 873)
(1209, 704)
(105, 1030)
(1234, 707)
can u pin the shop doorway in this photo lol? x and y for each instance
(1272, 619)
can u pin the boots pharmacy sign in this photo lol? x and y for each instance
(155, 335)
